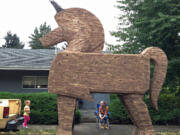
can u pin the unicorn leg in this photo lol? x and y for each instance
(139, 114)
(66, 108)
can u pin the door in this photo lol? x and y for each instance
(14, 106)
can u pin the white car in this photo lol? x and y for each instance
(10, 110)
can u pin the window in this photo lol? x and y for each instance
(35, 82)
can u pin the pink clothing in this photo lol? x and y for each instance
(26, 120)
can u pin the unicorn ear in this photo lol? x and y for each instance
(56, 6)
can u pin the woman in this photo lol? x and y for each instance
(103, 114)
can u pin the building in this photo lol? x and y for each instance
(26, 71)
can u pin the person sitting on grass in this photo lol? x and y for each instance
(103, 114)
(26, 113)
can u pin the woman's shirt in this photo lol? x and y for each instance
(103, 110)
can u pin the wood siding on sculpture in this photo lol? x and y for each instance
(81, 29)
(81, 69)
(93, 72)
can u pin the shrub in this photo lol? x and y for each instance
(43, 106)
(169, 110)
(169, 106)
(118, 112)
(77, 116)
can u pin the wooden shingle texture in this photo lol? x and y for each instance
(81, 69)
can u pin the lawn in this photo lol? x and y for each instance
(52, 132)
(30, 132)
(168, 133)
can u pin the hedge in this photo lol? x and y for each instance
(169, 110)
(43, 106)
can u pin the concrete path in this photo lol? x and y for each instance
(90, 129)
(88, 116)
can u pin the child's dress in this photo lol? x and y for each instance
(26, 116)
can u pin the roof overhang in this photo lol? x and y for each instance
(25, 68)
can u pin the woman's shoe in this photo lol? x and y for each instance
(102, 127)
(106, 127)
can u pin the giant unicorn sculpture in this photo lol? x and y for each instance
(82, 69)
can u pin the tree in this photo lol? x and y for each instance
(149, 23)
(65, 46)
(12, 41)
(35, 43)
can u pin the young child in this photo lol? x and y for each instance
(26, 113)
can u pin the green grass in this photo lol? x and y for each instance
(31, 132)
(53, 132)
(167, 133)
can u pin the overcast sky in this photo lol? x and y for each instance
(22, 16)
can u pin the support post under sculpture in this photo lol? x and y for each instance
(82, 69)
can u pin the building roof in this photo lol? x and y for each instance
(27, 59)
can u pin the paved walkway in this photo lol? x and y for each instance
(88, 116)
(90, 129)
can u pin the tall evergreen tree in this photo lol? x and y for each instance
(35, 43)
(149, 23)
(65, 46)
(12, 41)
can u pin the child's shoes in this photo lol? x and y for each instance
(23, 125)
